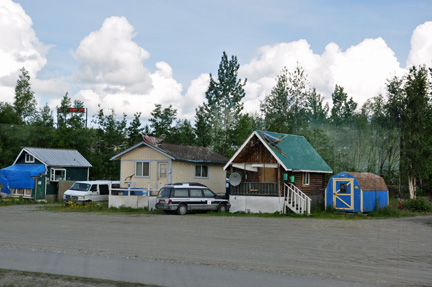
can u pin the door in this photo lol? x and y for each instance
(163, 174)
(40, 188)
(343, 193)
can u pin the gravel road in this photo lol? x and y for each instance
(391, 252)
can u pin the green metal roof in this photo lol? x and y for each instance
(295, 152)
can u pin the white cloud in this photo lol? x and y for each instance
(421, 46)
(19, 47)
(110, 57)
(362, 69)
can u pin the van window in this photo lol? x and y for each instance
(103, 189)
(195, 193)
(181, 193)
(165, 192)
(94, 187)
(208, 193)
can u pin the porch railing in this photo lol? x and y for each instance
(296, 200)
(255, 188)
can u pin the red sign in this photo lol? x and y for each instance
(76, 110)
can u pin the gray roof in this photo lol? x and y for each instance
(181, 152)
(57, 157)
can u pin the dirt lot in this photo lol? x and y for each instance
(391, 252)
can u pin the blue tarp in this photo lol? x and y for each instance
(19, 176)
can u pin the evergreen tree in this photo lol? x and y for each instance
(343, 108)
(162, 122)
(134, 130)
(223, 104)
(202, 127)
(25, 102)
(286, 108)
(416, 127)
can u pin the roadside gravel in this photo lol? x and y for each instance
(391, 252)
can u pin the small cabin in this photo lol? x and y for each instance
(275, 172)
(356, 192)
(37, 172)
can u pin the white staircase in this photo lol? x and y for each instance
(296, 200)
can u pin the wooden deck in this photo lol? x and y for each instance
(255, 188)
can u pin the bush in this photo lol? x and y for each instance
(418, 205)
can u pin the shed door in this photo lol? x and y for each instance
(343, 193)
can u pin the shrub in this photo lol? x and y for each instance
(418, 204)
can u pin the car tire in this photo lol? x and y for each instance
(182, 209)
(222, 208)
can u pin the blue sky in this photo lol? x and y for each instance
(190, 36)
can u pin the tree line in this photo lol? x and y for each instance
(390, 135)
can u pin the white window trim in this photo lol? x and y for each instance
(149, 168)
(306, 175)
(52, 174)
(201, 165)
(29, 158)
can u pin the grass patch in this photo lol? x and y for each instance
(18, 201)
(12, 278)
(394, 210)
(99, 207)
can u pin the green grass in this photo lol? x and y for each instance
(17, 201)
(391, 211)
(319, 213)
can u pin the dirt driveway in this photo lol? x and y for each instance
(391, 252)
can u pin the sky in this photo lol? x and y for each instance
(130, 55)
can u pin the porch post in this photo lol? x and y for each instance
(278, 180)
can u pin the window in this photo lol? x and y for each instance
(181, 193)
(142, 169)
(201, 171)
(103, 189)
(195, 193)
(29, 158)
(58, 174)
(209, 193)
(163, 170)
(343, 188)
(306, 178)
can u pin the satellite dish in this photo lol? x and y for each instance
(235, 179)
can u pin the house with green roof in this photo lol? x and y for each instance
(276, 172)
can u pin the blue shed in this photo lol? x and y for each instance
(356, 192)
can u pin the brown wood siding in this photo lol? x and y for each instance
(316, 183)
(255, 152)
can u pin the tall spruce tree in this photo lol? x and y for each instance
(25, 102)
(224, 106)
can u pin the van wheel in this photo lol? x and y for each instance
(182, 209)
(222, 208)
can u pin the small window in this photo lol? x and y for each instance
(195, 193)
(208, 193)
(58, 174)
(93, 188)
(201, 171)
(181, 193)
(29, 158)
(343, 188)
(142, 169)
(306, 178)
(103, 189)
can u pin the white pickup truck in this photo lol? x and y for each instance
(85, 191)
